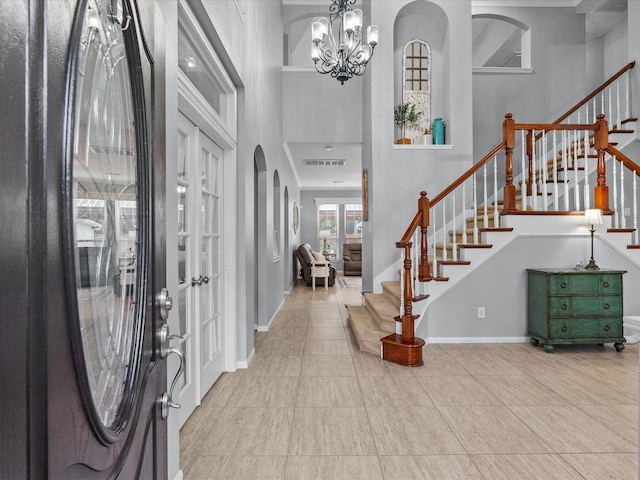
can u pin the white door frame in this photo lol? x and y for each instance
(222, 130)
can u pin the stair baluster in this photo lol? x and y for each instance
(496, 213)
(523, 189)
(627, 112)
(623, 222)
(485, 216)
(635, 210)
(545, 189)
(616, 208)
(610, 103)
(464, 214)
(434, 248)
(555, 172)
(587, 200)
(618, 119)
(444, 231)
(576, 188)
(454, 243)
(475, 209)
(565, 168)
(534, 168)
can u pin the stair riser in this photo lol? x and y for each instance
(481, 224)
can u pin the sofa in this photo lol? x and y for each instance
(352, 258)
(306, 256)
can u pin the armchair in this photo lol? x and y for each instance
(314, 271)
(352, 258)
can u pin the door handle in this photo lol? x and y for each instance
(205, 279)
(196, 281)
(166, 399)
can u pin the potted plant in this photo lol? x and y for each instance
(406, 115)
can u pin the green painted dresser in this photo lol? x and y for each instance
(574, 306)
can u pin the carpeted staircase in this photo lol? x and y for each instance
(376, 318)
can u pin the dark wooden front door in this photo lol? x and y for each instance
(85, 359)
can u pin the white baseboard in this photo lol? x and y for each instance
(477, 340)
(265, 328)
(245, 364)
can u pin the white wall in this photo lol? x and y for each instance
(500, 285)
(397, 176)
(559, 79)
(317, 108)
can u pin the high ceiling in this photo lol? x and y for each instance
(326, 173)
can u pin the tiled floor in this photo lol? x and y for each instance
(311, 406)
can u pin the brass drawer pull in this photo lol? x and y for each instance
(606, 306)
(606, 328)
(563, 285)
(605, 284)
(563, 306)
(564, 328)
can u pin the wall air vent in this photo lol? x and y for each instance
(335, 162)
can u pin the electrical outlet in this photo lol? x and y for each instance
(480, 312)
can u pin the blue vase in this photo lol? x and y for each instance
(437, 129)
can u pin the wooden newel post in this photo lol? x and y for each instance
(509, 137)
(407, 315)
(600, 143)
(424, 272)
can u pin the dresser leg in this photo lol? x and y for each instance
(619, 346)
(548, 348)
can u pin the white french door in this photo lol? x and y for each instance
(200, 309)
(209, 262)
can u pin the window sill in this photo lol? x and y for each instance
(418, 146)
(503, 70)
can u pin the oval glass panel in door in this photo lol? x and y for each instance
(106, 237)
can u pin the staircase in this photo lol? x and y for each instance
(551, 176)
(376, 318)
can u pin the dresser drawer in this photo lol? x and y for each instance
(610, 327)
(610, 284)
(590, 284)
(561, 328)
(607, 305)
(560, 306)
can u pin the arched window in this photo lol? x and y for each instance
(416, 84)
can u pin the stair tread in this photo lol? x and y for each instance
(391, 289)
(392, 286)
(365, 329)
(382, 310)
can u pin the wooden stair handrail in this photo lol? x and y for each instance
(474, 168)
(622, 158)
(628, 66)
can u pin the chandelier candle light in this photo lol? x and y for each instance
(337, 46)
(592, 216)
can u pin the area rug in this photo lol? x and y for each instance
(349, 282)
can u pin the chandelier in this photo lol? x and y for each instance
(337, 46)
